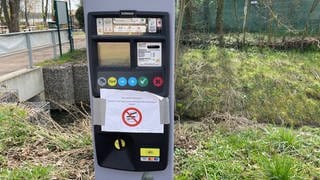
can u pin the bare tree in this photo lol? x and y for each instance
(1, 17)
(244, 26)
(206, 14)
(182, 4)
(26, 12)
(29, 6)
(219, 21)
(188, 16)
(313, 7)
(11, 10)
(44, 10)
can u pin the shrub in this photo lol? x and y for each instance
(261, 84)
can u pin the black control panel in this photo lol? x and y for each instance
(130, 50)
(101, 73)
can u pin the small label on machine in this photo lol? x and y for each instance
(150, 154)
(108, 26)
(99, 26)
(152, 25)
(149, 54)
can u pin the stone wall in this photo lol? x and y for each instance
(81, 83)
(66, 84)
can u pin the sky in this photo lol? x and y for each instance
(37, 6)
(75, 4)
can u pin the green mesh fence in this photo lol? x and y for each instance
(276, 16)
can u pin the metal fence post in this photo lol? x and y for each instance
(29, 50)
(54, 44)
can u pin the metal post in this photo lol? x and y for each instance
(54, 44)
(28, 40)
(70, 28)
(58, 26)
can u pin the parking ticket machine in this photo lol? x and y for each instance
(130, 53)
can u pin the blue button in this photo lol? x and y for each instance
(122, 81)
(132, 81)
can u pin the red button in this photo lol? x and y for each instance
(158, 81)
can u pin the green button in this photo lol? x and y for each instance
(143, 81)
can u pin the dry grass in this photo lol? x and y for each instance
(67, 150)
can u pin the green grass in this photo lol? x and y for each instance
(30, 151)
(280, 167)
(207, 151)
(253, 153)
(77, 56)
(261, 84)
(264, 85)
(27, 172)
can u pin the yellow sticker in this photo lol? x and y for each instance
(112, 81)
(150, 152)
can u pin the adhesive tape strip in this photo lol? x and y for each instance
(164, 111)
(99, 111)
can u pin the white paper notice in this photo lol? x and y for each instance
(131, 111)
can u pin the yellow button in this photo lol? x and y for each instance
(112, 81)
(150, 152)
(119, 144)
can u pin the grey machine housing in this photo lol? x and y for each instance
(97, 108)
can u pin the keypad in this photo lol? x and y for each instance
(132, 81)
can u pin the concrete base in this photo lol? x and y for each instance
(58, 82)
(81, 83)
(27, 82)
(38, 98)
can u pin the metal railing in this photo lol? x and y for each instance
(22, 42)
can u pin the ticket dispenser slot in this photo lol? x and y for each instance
(130, 50)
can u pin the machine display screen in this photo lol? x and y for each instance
(128, 26)
(114, 54)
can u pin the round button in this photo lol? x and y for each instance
(143, 81)
(119, 144)
(102, 81)
(112, 81)
(158, 81)
(122, 81)
(132, 81)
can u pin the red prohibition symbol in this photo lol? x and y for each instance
(131, 117)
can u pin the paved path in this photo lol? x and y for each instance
(19, 61)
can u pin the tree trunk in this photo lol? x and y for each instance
(26, 13)
(219, 21)
(236, 16)
(313, 7)
(206, 15)
(44, 10)
(11, 16)
(188, 16)
(182, 8)
(270, 20)
(1, 17)
(244, 26)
